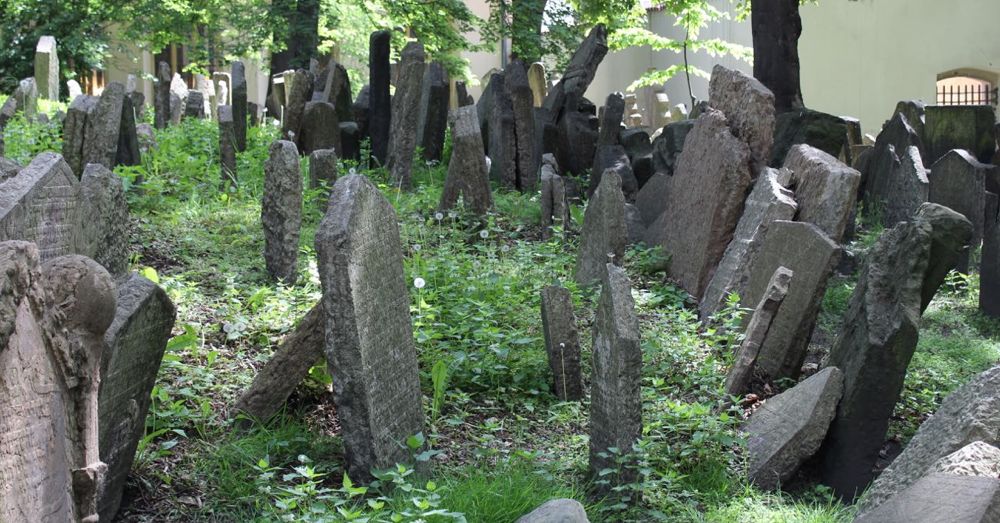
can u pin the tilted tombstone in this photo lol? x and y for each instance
(350, 141)
(405, 115)
(380, 108)
(915, 113)
(228, 144)
(968, 127)
(75, 131)
(989, 269)
(879, 335)
(281, 211)
(741, 374)
(104, 219)
(562, 343)
(604, 236)
(129, 150)
(825, 188)
(554, 201)
(703, 202)
(50, 468)
(853, 131)
(133, 349)
(297, 89)
(102, 131)
(433, 119)
(194, 105)
(811, 255)
(897, 135)
(906, 186)
(668, 145)
(26, 96)
(615, 385)
(467, 172)
(496, 119)
(767, 203)
(825, 132)
(320, 128)
(958, 181)
(518, 90)
(322, 169)
(41, 205)
(615, 158)
(47, 68)
(749, 109)
(161, 96)
(239, 95)
(611, 120)
(369, 337)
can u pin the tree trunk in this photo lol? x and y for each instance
(526, 30)
(776, 28)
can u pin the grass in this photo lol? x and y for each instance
(502, 442)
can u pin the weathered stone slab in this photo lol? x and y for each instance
(104, 219)
(518, 89)
(161, 96)
(971, 413)
(579, 72)
(749, 110)
(604, 235)
(496, 119)
(906, 187)
(74, 89)
(975, 459)
(822, 131)
(433, 119)
(554, 202)
(557, 511)
(194, 104)
(943, 498)
(768, 202)
(562, 343)
(47, 68)
(958, 182)
(129, 150)
(178, 98)
(704, 202)
(41, 205)
(811, 255)
(825, 188)
(652, 198)
(896, 136)
(297, 89)
(791, 426)
(320, 128)
(299, 351)
(281, 211)
(611, 120)
(322, 169)
(989, 269)
(538, 83)
(103, 127)
(467, 171)
(8, 169)
(228, 141)
(405, 115)
(239, 95)
(26, 96)
(74, 131)
(133, 348)
(968, 127)
(380, 111)
(350, 141)
(915, 113)
(615, 398)
(613, 157)
(369, 338)
(739, 376)
(879, 335)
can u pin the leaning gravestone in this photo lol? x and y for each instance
(380, 112)
(604, 235)
(320, 128)
(562, 343)
(433, 116)
(703, 202)
(75, 129)
(239, 95)
(668, 145)
(103, 128)
(958, 182)
(989, 269)
(496, 119)
(739, 378)
(554, 201)
(161, 97)
(405, 113)
(822, 131)
(970, 414)
(41, 205)
(883, 163)
(749, 110)
(826, 189)
(228, 144)
(615, 158)
(879, 336)
(129, 151)
(47, 68)
(322, 169)
(811, 255)
(104, 219)
(26, 97)
(133, 348)
(467, 171)
(768, 202)
(281, 211)
(615, 387)
(369, 337)
(790, 427)
(518, 90)
(297, 88)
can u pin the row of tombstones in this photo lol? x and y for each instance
(81, 341)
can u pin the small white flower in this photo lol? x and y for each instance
(452, 215)
(484, 234)
(416, 247)
(505, 248)
(419, 283)
(353, 171)
(438, 216)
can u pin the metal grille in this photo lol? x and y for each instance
(980, 94)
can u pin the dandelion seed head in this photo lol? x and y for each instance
(419, 283)
(484, 234)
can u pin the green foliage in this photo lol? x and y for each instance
(24, 139)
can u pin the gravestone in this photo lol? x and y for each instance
(194, 105)
(47, 68)
(128, 152)
(958, 182)
(883, 163)
(178, 98)
(611, 120)
(749, 110)
(380, 112)
(811, 255)
(615, 395)
(350, 141)
(239, 95)
(767, 202)
(138, 101)
(467, 172)
(740, 375)
(970, 413)
(161, 97)
(281, 211)
(950, 498)
(75, 131)
(554, 202)
(879, 335)
(968, 127)
(8, 169)
(853, 131)
(102, 131)
(989, 269)
(825, 132)
(462, 95)
(557, 511)
(369, 337)
(41, 205)
(104, 219)
(299, 351)
(405, 115)
(790, 427)
(613, 157)
(562, 343)
(228, 144)
(825, 188)
(433, 119)
(915, 113)
(496, 120)
(703, 202)
(297, 89)
(133, 348)
(537, 82)
(652, 198)
(322, 169)
(604, 236)
(907, 185)
(519, 92)
(74, 89)
(320, 128)
(361, 110)
(26, 96)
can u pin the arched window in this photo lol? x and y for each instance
(965, 87)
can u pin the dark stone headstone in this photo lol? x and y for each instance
(614, 157)
(194, 105)
(496, 119)
(522, 110)
(989, 270)
(554, 202)
(103, 127)
(129, 150)
(322, 169)
(562, 343)
(297, 89)
(320, 128)
(281, 211)
(462, 95)
(228, 144)
(822, 131)
(896, 137)
(968, 127)
(433, 119)
(239, 95)
(958, 182)
(380, 111)
(611, 120)
(668, 145)
(161, 97)
(75, 131)
(361, 110)
(604, 236)
(350, 141)
(467, 174)
(369, 337)
(915, 113)
(406, 115)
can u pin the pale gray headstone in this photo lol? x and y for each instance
(281, 211)
(749, 109)
(47, 68)
(562, 343)
(604, 236)
(405, 115)
(41, 205)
